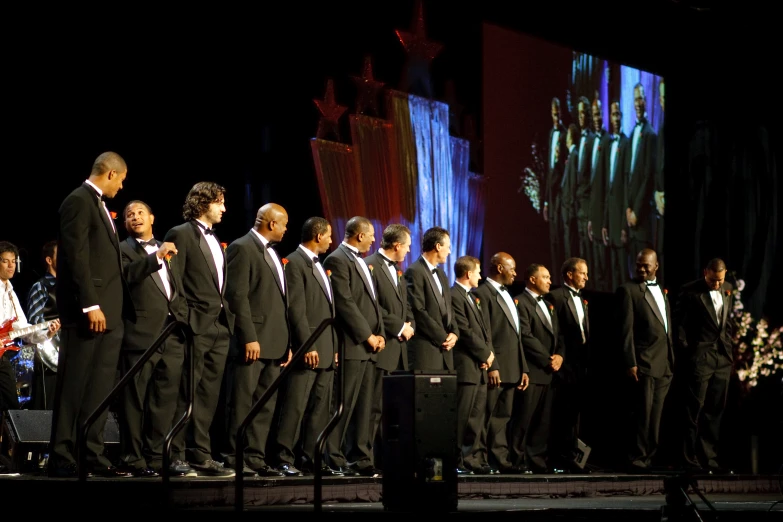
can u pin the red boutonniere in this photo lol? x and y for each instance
(168, 260)
(113, 214)
(285, 262)
(478, 303)
(584, 302)
(399, 274)
(224, 245)
(728, 293)
(370, 267)
(551, 309)
(665, 292)
(516, 302)
(329, 274)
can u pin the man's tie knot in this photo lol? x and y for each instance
(207, 231)
(503, 288)
(391, 263)
(575, 293)
(652, 283)
(316, 260)
(151, 242)
(540, 298)
(355, 252)
(434, 270)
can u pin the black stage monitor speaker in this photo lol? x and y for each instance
(25, 438)
(420, 441)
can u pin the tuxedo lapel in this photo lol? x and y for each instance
(540, 313)
(438, 295)
(394, 284)
(651, 301)
(269, 261)
(205, 250)
(707, 302)
(141, 253)
(476, 313)
(367, 283)
(503, 306)
(318, 277)
(726, 304)
(571, 305)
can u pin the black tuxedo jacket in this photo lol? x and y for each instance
(641, 180)
(395, 309)
(569, 334)
(150, 301)
(308, 307)
(583, 170)
(475, 341)
(358, 311)
(506, 340)
(699, 329)
(568, 188)
(89, 268)
(196, 274)
(645, 341)
(433, 315)
(257, 296)
(539, 339)
(614, 209)
(554, 174)
(598, 182)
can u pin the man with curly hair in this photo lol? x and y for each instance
(199, 268)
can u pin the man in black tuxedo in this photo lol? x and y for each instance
(436, 333)
(200, 271)
(583, 177)
(645, 326)
(602, 145)
(702, 316)
(539, 331)
(641, 176)
(92, 299)
(614, 230)
(567, 199)
(556, 156)
(473, 356)
(509, 371)
(257, 295)
(307, 395)
(356, 304)
(397, 319)
(149, 400)
(659, 196)
(569, 384)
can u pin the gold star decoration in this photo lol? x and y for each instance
(367, 88)
(331, 111)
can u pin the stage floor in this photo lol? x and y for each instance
(612, 495)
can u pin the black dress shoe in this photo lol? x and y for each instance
(67, 471)
(482, 470)
(464, 471)
(346, 471)
(140, 472)
(289, 470)
(326, 471)
(111, 472)
(369, 471)
(269, 471)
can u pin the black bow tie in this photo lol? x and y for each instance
(503, 288)
(540, 298)
(316, 260)
(640, 123)
(576, 293)
(434, 270)
(207, 231)
(615, 137)
(651, 283)
(355, 252)
(151, 242)
(390, 262)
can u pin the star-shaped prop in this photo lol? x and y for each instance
(420, 53)
(367, 88)
(328, 125)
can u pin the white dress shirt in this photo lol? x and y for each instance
(274, 257)
(321, 271)
(580, 311)
(541, 304)
(164, 276)
(364, 267)
(613, 156)
(717, 302)
(637, 134)
(553, 147)
(433, 275)
(108, 214)
(217, 252)
(582, 141)
(657, 293)
(509, 302)
(594, 157)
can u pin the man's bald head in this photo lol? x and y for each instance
(271, 222)
(270, 212)
(503, 268)
(646, 264)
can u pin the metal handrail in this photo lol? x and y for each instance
(82, 434)
(239, 464)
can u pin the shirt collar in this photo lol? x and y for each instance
(95, 187)
(264, 241)
(466, 288)
(307, 251)
(351, 248)
(429, 265)
(202, 223)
